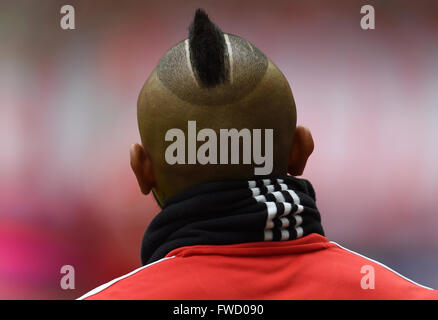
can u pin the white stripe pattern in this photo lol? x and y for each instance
(271, 207)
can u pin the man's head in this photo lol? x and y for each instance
(215, 81)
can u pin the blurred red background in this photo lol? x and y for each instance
(68, 117)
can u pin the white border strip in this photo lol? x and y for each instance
(106, 285)
(382, 265)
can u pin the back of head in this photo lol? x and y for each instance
(205, 84)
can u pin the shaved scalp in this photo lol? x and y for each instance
(221, 81)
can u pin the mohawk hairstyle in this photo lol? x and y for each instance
(211, 67)
(207, 50)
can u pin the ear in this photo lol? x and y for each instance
(141, 165)
(302, 148)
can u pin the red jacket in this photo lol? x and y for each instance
(306, 268)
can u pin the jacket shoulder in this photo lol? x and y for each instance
(372, 279)
(143, 283)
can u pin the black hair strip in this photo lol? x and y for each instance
(207, 50)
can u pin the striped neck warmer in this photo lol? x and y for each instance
(232, 212)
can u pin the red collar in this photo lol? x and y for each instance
(312, 242)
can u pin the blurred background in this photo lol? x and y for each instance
(68, 116)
